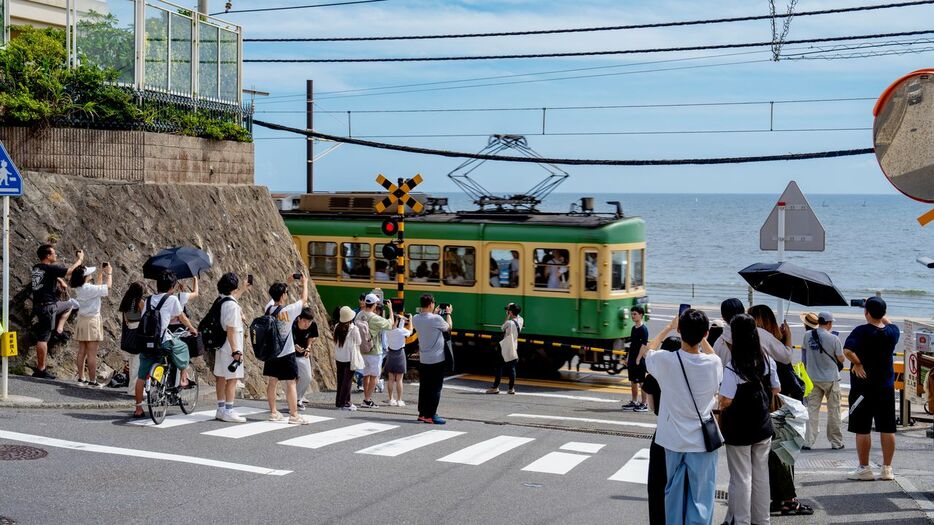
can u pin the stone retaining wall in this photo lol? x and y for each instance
(134, 156)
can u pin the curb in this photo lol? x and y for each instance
(924, 503)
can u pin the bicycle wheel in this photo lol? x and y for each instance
(188, 398)
(158, 404)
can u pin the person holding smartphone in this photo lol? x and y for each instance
(51, 313)
(638, 338)
(431, 327)
(509, 348)
(90, 329)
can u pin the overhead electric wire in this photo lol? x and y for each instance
(587, 53)
(285, 8)
(576, 108)
(573, 162)
(596, 29)
(597, 133)
(267, 100)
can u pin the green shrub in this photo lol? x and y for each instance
(36, 88)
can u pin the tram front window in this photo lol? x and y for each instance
(638, 269)
(590, 271)
(620, 268)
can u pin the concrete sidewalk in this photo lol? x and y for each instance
(27, 391)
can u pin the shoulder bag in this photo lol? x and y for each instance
(816, 338)
(712, 438)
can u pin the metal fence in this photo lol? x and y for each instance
(4, 21)
(157, 46)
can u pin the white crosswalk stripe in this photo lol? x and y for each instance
(486, 450)
(338, 435)
(178, 420)
(400, 446)
(243, 430)
(586, 448)
(636, 470)
(556, 463)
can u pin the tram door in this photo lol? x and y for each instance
(588, 301)
(502, 282)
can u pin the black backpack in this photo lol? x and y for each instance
(212, 332)
(150, 330)
(264, 335)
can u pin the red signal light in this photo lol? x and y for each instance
(390, 227)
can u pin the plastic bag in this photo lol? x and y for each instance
(802, 374)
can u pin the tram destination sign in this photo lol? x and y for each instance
(803, 230)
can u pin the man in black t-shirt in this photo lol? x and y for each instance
(50, 313)
(638, 338)
(304, 332)
(871, 349)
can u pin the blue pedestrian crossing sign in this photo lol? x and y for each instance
(11, 183)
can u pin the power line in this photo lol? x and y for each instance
(266, 100)
(585, 53)
(594, 29)
(576, 108)
(597, 133)
(284, 8)
(575, 162)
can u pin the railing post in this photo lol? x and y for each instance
(139, 30)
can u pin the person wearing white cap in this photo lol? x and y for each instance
(347, 337)
(823, 356)
(90, 331)
(376, 324)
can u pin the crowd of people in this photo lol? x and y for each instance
(722, 383)
(721, 390)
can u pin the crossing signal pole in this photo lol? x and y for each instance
(395, 226)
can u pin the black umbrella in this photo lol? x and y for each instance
(793, 283)
(186, 262)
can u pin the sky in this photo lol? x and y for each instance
(686, 77)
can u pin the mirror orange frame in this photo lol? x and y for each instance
(929, 216)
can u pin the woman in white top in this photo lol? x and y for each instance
(348, 341)
(231, 352)
(395, 358)
(90, 330)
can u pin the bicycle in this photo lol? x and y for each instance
(159, 395)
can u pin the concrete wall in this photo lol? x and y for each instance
(132, 156)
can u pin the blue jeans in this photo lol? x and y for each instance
(689, 494)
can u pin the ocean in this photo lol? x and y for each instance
(698, 242)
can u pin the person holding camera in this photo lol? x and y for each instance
(431, 325)
(51, 313)
(509, 348)
(823, 358)
(871, 349)
(228, 359)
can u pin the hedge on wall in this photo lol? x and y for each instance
(36, 88)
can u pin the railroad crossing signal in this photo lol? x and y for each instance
(399, 194)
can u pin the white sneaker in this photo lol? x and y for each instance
(393, 403)
(400, 403)
(887, 474)
(299, 420)
(380, 386)
(351, 407)
(276, 416)
(229, 416)
(219, 415)
(862, 473)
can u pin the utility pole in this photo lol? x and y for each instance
(203, 6)
(309, 142)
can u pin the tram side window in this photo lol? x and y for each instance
(637, 279)
(504, 268)
(620, 268)
(322, 259)
(591, 271)
(551, 269)
(356, 260)
(385, 269)
(424, 263)
(460, 266)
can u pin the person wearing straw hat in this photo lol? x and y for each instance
(822, 353)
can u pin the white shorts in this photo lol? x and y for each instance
(373, 363)
(222, 360)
